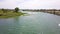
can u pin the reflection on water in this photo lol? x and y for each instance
(58, 24)
(35, 23)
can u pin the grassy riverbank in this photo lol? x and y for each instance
(9, 14)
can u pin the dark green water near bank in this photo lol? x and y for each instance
(35, 23)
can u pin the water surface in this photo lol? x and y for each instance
(35, 23)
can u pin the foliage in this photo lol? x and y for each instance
(16, 9)
(4, 10)
(5, 13)
(10, 14)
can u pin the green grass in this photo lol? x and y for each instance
(10, 14)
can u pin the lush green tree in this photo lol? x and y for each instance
(16, 9)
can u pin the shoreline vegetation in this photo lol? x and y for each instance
(51, 11)
(7, 13)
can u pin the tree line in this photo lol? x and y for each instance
(6, 10)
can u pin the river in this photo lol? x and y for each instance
(35, 23)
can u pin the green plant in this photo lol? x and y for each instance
(16, 9)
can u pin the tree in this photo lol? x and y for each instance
(16, 9)
(4, 10)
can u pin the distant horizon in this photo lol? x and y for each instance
(29, 9)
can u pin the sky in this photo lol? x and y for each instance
(30, 4)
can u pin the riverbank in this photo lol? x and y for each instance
(52, 12)
(10, 14)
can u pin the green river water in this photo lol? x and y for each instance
(35, 23)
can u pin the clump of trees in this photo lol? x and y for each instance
(4, 10)
(9, 12)
(16, 9)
